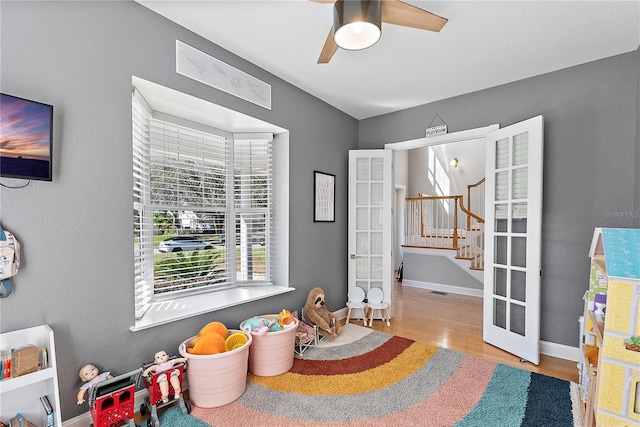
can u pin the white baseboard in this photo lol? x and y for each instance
(342, 313)
(560, 351)
(444, 288)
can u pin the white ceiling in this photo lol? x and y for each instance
(484, 44)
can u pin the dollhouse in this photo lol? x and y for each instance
(612, 323)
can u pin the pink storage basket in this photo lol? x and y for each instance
(272, 353)
(217, 379)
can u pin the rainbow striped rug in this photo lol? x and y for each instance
(369, 378)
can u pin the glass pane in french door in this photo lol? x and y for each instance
(362, 268)
(362, 173)
(510, 239)
(517, 320)
(369, 219)
(362, 242)
(362, 219)
(500, 282)
(499, 313)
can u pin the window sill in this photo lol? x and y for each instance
(163, 312)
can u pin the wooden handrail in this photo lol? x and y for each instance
(433, 197)
(456, 197)
(468, 210)
(476, 184)
(470, 214)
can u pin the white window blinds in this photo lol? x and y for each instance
(142, 216)
(202, 208)
(252, 205)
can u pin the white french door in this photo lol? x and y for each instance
(370, 221)
(512, 238)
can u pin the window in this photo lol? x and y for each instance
(439, 178)
(202, 208)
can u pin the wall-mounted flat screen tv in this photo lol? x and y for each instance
(26, 138)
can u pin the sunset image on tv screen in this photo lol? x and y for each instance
(25, 138)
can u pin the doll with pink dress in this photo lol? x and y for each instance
(165, 365)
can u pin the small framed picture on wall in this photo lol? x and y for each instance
(324, 197)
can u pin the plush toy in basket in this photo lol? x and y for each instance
(261, 325)
(316, 313)
(210, 339)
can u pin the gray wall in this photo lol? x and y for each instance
(439, 270)
(77, 272)
(591, 163)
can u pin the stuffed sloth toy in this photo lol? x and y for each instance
(317, 314)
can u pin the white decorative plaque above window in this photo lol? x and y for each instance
(199, 66)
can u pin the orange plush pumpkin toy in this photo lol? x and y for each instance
(210, 339)
(286, 319)
(316, 313)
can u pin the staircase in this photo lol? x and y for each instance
(472, 248)
(445, 223)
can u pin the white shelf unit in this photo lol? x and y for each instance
(22, 394)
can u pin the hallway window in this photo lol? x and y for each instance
(439, 178)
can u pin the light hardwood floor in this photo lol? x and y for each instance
(455, 322)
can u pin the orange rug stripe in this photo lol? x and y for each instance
(405, 364)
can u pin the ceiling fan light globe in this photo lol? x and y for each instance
(357, 24)
(357, 35)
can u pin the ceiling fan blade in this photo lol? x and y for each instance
(398, 13)
(329, 48)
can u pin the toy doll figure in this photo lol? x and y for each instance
(90, 375)
(162, 364)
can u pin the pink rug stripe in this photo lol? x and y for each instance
(466, 387)
(233, 414)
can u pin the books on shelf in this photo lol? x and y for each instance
(48, 410)
(20, 421)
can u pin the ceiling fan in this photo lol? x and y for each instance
(357, 24)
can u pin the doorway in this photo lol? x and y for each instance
(425, 166)
(513, 167)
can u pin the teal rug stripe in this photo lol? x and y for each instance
(173, 417)
(504, 401)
